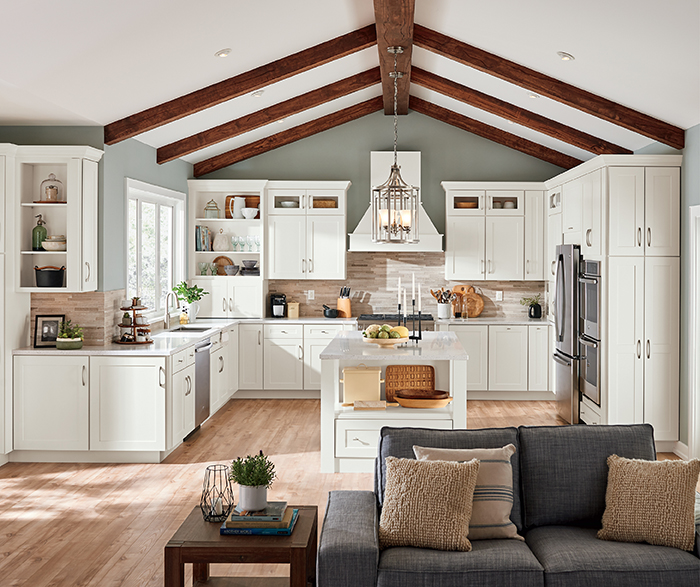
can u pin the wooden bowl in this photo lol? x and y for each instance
(423, 403)
(422, 394)
(385, 341)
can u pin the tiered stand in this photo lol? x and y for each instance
(133, 326)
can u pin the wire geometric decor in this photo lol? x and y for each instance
(217, 495)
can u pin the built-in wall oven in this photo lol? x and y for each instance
(589, 329)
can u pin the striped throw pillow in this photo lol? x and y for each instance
(493, 495)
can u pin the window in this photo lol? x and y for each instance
(154, 243)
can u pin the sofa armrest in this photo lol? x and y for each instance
(697, 540)
(348, 551)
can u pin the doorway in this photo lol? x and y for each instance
(694, 336)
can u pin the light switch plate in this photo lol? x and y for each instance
(499, 296)
(310, 294)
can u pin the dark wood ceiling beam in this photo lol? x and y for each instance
(288, 136)
(239, 85)
(493, 134)
(514, 113)
(394, 20)
(268, 115)
(548, 86)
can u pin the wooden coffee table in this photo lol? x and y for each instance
(199, 542)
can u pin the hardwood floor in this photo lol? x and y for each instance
(106, 525)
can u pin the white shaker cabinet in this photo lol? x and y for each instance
(538, 358)
(127, 403)
(51, 401)
(219, 389)
(250, 356)
(572, 196)
(475, 340)
(230, 297)
(592, 215)
(183, 407)
(504, 248)
(325, 247)
(508, 358)
(286, 236)
(534, 235)
(316, 338)
(465, 253)
(626, 211)
(283, 362)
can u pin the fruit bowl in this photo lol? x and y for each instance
(386, 341)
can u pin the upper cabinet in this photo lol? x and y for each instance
(61, 185)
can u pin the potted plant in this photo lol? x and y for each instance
(70, 336)
(254, 475)
(189, 295)
(535, 310)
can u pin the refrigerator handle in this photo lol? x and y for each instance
(561, 361)
(560, 300)
(588, 342)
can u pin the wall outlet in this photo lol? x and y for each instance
(310, 295)
(499, 296)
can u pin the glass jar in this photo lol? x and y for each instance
(51, 189)
(211, 210)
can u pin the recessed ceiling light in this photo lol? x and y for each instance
(222, 53)
(510, 122)
(281, 121)
(565, 56)
(533, 95)
(258, 93)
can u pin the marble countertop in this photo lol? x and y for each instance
(435, 346)
(504, 320)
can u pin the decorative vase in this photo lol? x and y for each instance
(217, 495)
(69, 344)
(252, 499)
(188, 312)
(535, 311)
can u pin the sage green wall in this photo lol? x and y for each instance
(447, 154)
(690, 196)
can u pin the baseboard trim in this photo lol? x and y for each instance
(277, 394)
(520, 396)
(80, 456)
(676, 447)
(682, 450)
(4, 459)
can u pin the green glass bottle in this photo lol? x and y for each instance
(38, 234)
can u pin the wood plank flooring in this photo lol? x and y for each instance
(106, 525)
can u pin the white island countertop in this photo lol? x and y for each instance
(435, 346)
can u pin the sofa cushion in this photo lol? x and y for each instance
(574, 557)
(427, 504)
(490, 563)
(398, 442)
(651, 501)
(493, 494)
(565, 473)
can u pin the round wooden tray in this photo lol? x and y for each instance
(140, 342)
(422, 403)
(221, 261)
(386, 341)
(422, 394)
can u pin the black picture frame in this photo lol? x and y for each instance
(46, 328)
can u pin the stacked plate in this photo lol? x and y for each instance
(55, 242)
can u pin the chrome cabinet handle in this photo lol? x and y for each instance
(588, 237)
(490, 266)
(648, 237)
(88, 271)
(311, 266)
(221, 360)
(161, 371)
(648, 349)
(84, 373)
(483, 266)
(324, 332)
(527, 267)
(303, 201)
(259, 334)
(553, 265)
(188, 380)
(356, 439)
(639, 349)
(301, 353)
(283, 331)
(223, 304)
(639, 237)
(230, 304)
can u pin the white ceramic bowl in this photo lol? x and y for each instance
(249, 213)
(54, 246)
(288, 204)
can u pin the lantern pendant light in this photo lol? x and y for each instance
(395, 204)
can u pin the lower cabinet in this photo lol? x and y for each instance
(475, 340)
(182, 398)
(250, 356)
(508, 358)
(538, 357)
(51, 400)
(283, 359)
(219, 375)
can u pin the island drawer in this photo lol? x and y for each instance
(183, 358)
(360, 438)
(322, 331)
(284, 331)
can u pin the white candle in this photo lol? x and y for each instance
(404, 303)
(399, 290)
(420, 305)
(413, 287)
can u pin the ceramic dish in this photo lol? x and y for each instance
(231, 269)
(249, 264)
(288, 204)
(54, 245)
(386, 341)
(249, 213)
(422, 403)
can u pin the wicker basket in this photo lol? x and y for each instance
(325, 203)
(414, 378)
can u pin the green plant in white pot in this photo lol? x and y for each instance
(254, 475)
(189, 295)
(70, 336)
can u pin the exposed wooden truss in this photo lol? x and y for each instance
(394, 21)
(548, 86)
(509, 111)
(241, 84)
(288, 136)
(268, 115)
(493, 134)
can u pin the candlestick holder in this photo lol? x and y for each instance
(399, 315)
(416, 337)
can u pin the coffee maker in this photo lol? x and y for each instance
(278, 305)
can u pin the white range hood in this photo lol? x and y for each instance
(430, 240)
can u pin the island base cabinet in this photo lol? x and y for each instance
(127, 403)
(51, 403)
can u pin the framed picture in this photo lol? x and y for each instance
(46, 329)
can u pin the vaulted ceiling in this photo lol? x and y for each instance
(146, 69)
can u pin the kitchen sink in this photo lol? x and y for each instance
(190, 329)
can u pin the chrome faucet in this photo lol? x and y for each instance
(166, 319)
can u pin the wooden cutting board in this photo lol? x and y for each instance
(475, 303)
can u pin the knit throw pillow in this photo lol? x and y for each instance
(650, 501)
(427, 504)
(493, 494)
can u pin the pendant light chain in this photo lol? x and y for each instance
(396, 107)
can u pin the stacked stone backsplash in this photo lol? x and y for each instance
(373, 278)
(97, 312)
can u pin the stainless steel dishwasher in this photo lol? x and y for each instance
(201, 381)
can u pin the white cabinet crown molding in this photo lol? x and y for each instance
(50, 152)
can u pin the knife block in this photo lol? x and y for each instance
(344, 309)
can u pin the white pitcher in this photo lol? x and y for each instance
(238, 205)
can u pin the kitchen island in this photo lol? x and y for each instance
(349, 437)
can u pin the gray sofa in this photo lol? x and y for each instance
(559, 481)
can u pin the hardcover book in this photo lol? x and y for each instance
(251, 522)
(261, 531)
(272, 513)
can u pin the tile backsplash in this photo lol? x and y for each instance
(373, 278)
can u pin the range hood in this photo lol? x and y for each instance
(430, 240)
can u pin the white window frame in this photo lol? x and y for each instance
(153, 194)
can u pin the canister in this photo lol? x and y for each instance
(292, 309)
(361, 383)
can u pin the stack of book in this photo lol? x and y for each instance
(202, 238)
(277, 519)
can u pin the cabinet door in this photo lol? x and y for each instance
(214, 305)
(662, 209)
(508, 358)
(626, 211)
(233, 360)
(217, 379)
(51, 403)
(312, 362)
(245, 299)
(127, 403)
(504, 247)
(286, 251)
(550, 360)
(475, 340)
(554, 201)
(592, 214)
(3, 196)
(288, 202)
(465, 250)
(661, 347)
(554, 238)
(250, 356)
(182, 413)
(538, 358)
(572, 196)
(89, 227)
(625, 388)
(325, 247)
(534, 235)
(283, 364)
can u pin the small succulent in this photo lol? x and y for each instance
(253, 471)
(531, 301)
(69, 330)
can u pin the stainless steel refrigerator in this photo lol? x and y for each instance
(566, 316)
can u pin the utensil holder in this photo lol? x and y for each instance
(444, 311)
(344, 308)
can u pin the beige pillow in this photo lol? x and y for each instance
(493, 495)
(650, 501)
(427, 504)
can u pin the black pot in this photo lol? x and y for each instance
(49, 276)
(535, 311)
(329, 312)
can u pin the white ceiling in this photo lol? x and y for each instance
(78, 62)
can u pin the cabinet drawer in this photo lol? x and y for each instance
(588, 415)
(360, 438)
(283, 331)
(322, 331)
(183, 358)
